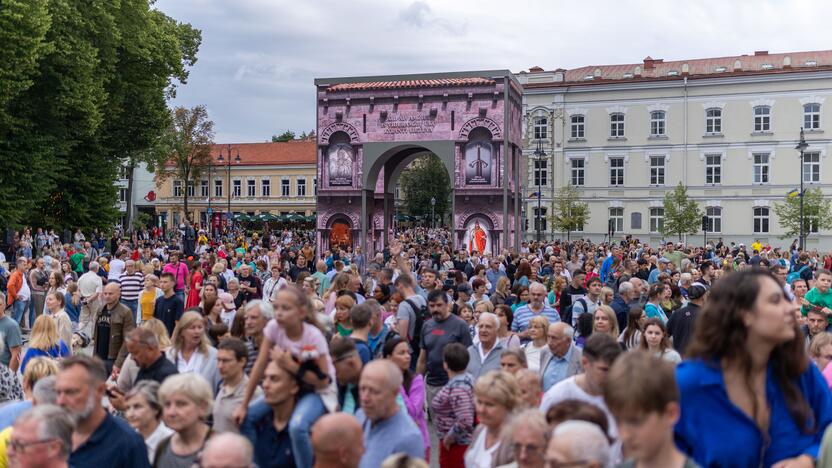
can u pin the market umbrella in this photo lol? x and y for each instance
(296, 218)
(241, 217)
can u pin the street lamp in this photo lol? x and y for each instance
(801, 146)
(227, 163)
(539, 154)
(432, 205)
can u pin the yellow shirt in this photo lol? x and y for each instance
(147, 300)
(5, 437)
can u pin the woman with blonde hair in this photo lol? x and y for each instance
(538, 329)
(186, 403)
(604, 321)
(191, 351)
(55, 303)
(497, 394)
(340, 282)
(44, 341)
(130, 370)
(502, 291)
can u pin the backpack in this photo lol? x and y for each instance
(422, 316)
(566, 316)
(795, 274)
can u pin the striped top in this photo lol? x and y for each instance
(524, 314)
(453, 408)
(131, 285)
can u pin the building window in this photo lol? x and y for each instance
(761, 168)
(616, 171)
(315, 186)
(191, 188)
(577, 126)
(203, 188)
(713, 169)
(657, 123)
(301, 187)
(713, 121)
(266, 187)
(617, 219)
(811, 223)
(238, 188)
(540, 221)
(217, 187)
(657, 170)
(251, 187)
(617, 125)
(761, 220)
(578, 172)
(811, 167)
(762, 119)
(540, 172)
(177, 188)
(811, 116)
(284, 187)
(714, 218)
(122, 195)
(656, 219)
(541, 128)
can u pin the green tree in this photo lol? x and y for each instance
(427, 178)
(568, 212)
(84, 86)
(187, 142)
(681, 214)
(288, 135)
(817, 212)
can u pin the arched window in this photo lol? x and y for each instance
(713, 121)
(541, 128)
(478, 157)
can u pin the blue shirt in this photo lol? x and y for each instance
(396, 434)
(10, 411)
(524, 314)
(271, 448)
(113, 444)
(654, 311)
(605, 268)
(556, 369)
(59, 350)
(714, 432)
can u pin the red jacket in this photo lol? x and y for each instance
(14, 286)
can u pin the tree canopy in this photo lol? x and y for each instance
(568, 212)
(681, 214)
(817, 212)
(85, 86)
(427, 178)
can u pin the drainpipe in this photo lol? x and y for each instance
(685, 155)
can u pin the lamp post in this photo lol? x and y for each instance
(539, 154)
(801, 146)
(432, 205)
(227, 163)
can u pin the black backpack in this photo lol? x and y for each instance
(422, 316)
(566, 316)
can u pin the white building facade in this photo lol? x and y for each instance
(726, 128)
(144, 195)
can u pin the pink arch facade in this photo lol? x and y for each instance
(368, 127)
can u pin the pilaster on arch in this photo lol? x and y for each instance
(485, 122)
(329, 130)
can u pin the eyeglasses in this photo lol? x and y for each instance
(531, 450)
(18, 446)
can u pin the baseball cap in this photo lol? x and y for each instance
(664, 260)
(227, 301)
(464, 288)
(696, 291)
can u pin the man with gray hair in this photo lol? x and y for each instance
(227, 449)
(561, 359)
(387, 429)
(579, 442)
(485, 355)
(90, 286)
(626, 292)
(41, 438)
(257, 315)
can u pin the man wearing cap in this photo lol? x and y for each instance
(680, 324)
(664, 267)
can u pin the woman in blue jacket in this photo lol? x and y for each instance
(749, 395)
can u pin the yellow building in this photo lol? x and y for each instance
(276, 178)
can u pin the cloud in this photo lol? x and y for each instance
(259, 58)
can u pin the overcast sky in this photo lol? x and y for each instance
(258, 59)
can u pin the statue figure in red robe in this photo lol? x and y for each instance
(478, 238)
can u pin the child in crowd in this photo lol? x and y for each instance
(343, 305)
(640, 391)
(453, 407)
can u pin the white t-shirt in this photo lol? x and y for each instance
(477, 455)
(117, 267)
(89, 283)
(25, 293)
(533, 356)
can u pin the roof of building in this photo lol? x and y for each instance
(428, 83)
(268, 154)
(761, 62)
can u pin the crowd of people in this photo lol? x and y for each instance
(252, 349)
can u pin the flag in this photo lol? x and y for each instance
(534, 195)
(793, 193)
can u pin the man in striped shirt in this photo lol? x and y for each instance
(536, 306)
(132, 283)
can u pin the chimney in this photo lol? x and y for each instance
(648, 63)
(535, 69)
(760, 52)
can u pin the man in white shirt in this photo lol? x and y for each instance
(90, 286)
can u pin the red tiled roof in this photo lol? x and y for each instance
(267, 154)
(434, 83)
(697, 68)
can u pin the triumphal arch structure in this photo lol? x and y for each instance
(370, 128)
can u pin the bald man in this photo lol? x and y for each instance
(110, 327)
(338, 442)
(387, 430)
(227, 449)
